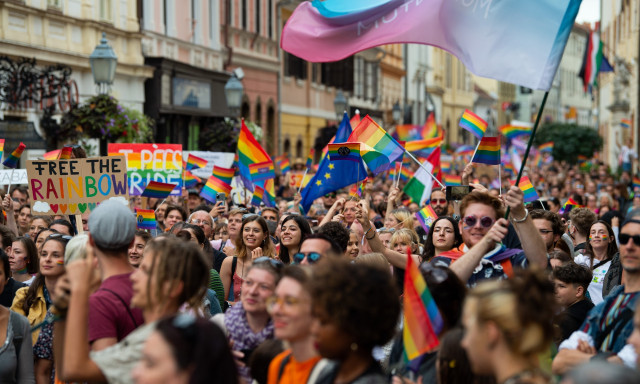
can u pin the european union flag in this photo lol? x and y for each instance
(333, 175)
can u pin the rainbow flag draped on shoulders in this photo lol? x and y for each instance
(378, 149)
(249, 152)
(422, 319)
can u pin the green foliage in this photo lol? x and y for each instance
(569, 141)
(101, 117)
(221, 136)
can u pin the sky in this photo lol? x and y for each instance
(589, 11)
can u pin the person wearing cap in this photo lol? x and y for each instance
(112, 229)
(194, 199)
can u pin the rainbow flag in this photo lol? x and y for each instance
(270, 193)
(146, 218)
(194, 162)
(473, 123)
(568, 206)
(408, 132)
(513, 131)
(530, 193)
(158, 190)
(2, 149)
(636, 182)
(417, 145)
(488, 151)
(285, 165)
(14, 157)
(510, 169)
(65, 153)
(258, 196)
(362, 187)
(262, 171)
(431, 130)
(355, 120)
(405, 174)
(380, 149)
(445, 166)
(537, 160)
(546, 147)
(426, 216)
(213, 187)
(191, 180)
(52, 155)
(625, 123)
(312, 153)
(224, 174)
(422, 319)
(249, 152)
(452, 180)
(344, 151)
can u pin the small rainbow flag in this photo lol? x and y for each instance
(258, 196)
(285, 165)
(14, 157)
(510, 169)
(488, 151)
(191, 180)
(636, 182)
(473, 123)
(362, 187)
(452, 180)
(417, 145)
(422, 319)
(405, 174)
(65, 153)
(625, 123)
(546, 147)
(445, 166)
(52, 155)
(530, 193)
(224, 174)
(2, 149)
(408, 132)
(380, 149)
(344, 151)
(312, 153)
(568, 206)
(194, 162)
(146, 218)
(426, 216)
(513, 131)
(262, 171)
(213, 187)
(158, 190)
(270, 193)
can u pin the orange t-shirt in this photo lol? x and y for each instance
(294, 372)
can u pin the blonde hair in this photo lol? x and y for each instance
(404, 217)
(374, 259)
(407, 235)
(76, 247)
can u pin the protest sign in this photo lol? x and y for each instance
(147, 162)
(13, 177)
(221, 159)
(76, 186)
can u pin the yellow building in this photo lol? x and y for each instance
(392, 69)
(454, 81)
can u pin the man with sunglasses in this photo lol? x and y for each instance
(438, 201)
(315, 248)
(605, 333)
(483, 227)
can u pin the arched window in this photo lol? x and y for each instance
(269, 133)
(287, 146)
(299, 148)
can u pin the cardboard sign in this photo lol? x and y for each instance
(76, 186)
(146, 162)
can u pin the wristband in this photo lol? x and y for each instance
(526, 214)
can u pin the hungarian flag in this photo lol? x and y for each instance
(419, 187)
(593, 62)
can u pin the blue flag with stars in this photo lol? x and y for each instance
(333, 175)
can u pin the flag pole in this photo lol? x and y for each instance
(475, 150)
(529, 143)
(500, 178)
(423, 167)
(302, 181)
(397, 181)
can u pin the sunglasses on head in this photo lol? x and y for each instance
(277, 264)
(439, 201)
(312, 257)
(59, 236)
(485, 221)
(624, 239)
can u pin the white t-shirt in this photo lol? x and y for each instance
(597, 282)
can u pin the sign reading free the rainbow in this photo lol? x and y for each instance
(151, 162)
(76, 186)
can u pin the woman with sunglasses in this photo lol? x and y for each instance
(172, 273)
(346, 297)
(248, 323)
(293, 230)
(252, 243)
(290, 308)
(443, 236)
(600, 251)
(34, 301)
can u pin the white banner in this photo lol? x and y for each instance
(221, 159)
(19, 176)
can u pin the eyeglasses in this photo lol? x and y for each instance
(287, 302)
(59, 236)
(545, 231)
(624, 239)
(312, 257)
(485, 221)
(277, 264)
(198, 222)
(330, 196)
(438, 201)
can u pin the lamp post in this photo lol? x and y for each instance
(340, 104)
(396, 113)
(103, 61)
(233, 91)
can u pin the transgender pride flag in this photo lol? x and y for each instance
(516, 41)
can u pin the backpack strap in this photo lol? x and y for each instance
(283, 364)
(124, 303)
(315, 371)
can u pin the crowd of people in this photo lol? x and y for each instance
(234, 293)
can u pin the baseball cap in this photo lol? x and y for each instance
(112, 225)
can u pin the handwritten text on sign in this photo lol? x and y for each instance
(76, 186)
(147, 162)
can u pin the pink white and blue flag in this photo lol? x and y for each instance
(515, 41)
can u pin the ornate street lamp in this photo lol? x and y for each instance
(396, 113)
(233, 91)
(340, 104)
(103, 61)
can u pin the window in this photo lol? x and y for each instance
(245, 15)
(371, 80)
(270, 19)
(54, 3)
(448, 74)
(104, 10)
(294, 66)
(358, 77)
(258, 16)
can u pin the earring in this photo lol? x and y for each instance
(354, 347)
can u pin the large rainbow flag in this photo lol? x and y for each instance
(249, 152)
(379, 149)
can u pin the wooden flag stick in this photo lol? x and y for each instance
(79, 224)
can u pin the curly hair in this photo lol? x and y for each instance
(477, 197)
(354, 294)
(572, 273)
(520, 307)
(337, 232)
(429, 250)
(556, 221)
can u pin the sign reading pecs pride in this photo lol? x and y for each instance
(76, 186)
(151, 162)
